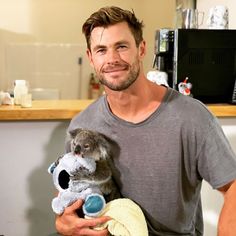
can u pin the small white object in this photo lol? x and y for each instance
(6, 99)
(218, 17)
(26, 100)
(185, 87)
(20, 89)
(158, 77)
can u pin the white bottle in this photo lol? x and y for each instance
(19, 90)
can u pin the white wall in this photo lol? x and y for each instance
(58, 24)
(27, 149)
(48, 65)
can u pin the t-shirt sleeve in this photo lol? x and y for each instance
(216, 159)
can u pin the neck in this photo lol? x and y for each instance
(136, 103)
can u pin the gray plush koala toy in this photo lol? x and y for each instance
(84, 173)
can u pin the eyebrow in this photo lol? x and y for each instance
(100, 46)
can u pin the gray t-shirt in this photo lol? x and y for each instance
(161, 161)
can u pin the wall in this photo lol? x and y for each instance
(57, 24)
(27, 149)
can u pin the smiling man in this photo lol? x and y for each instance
(115, 57)
(164, 143)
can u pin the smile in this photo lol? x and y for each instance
(115, 69)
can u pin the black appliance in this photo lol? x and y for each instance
(206, 57)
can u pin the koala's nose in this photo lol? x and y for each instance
(77, 149)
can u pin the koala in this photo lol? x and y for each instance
(84, 171)
(91, 144)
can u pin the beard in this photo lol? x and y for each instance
(116, 85)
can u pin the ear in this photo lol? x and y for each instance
(74, 132)
(142, 49)
(104, 147)
(89, 55)
(51, 168)
(104, 153)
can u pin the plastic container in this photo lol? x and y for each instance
(20, 89)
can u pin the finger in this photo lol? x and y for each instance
(92, 232)
(95, 221)
(76, 205)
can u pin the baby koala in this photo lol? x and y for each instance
(90, 144)
(84, 173)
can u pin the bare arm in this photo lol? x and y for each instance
(71, 225)
(227, 219)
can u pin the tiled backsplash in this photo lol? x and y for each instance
(49, 66)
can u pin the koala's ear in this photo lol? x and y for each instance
(104, 153)
(74, 132)
(105, 148)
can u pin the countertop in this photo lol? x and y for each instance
(44, 110)
(66, 109)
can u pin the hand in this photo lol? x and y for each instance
(70, 224)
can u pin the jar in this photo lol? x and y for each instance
(20, 88)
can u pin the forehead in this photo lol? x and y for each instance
(111, 34)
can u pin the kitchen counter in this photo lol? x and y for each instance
(66, 109)
(44, 110)
(222, 110)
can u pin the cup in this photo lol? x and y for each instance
(26, 100)
(218, 17)
(190, 18)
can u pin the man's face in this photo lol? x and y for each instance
(115, 56)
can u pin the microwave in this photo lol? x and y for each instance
(206, 57)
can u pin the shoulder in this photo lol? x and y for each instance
(187, 106)
(189, 113)
(88, 117)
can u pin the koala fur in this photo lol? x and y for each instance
(88, 143)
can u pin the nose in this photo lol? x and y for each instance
(77, 149)
(113, 56)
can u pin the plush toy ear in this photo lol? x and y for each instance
(51, 168)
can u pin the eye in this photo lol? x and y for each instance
(86, 146)
(101, 51)
(122, 47)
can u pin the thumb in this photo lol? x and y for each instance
(75, 206)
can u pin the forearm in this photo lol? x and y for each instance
(227, 219)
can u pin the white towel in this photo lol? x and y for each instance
(127, 218)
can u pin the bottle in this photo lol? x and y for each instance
(94, 87)
(91, 84)
(20, 88)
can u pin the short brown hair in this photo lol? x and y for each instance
(107, 16)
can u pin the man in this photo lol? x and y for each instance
(165, 143)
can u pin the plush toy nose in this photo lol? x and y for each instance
(77, 149)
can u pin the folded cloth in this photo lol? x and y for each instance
(6, 99)
(127, 218)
